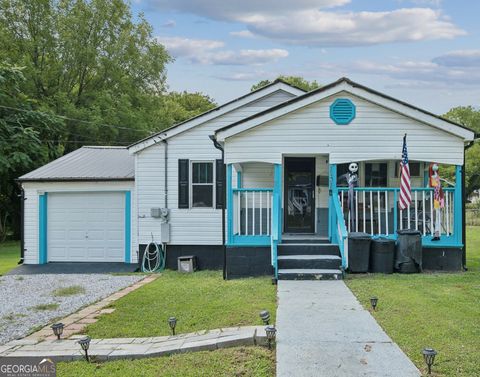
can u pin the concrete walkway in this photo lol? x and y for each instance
(324, 331)
(133, 348)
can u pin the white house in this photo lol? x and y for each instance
(284, 151)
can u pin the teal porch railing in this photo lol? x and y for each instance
(376, 212)
(340, 235)
(254, 215)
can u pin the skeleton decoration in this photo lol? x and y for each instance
(435, 182)
(352, 180)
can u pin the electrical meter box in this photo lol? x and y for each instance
(165, 232)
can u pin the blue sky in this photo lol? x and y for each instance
(426, 52)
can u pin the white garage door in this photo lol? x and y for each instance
(86, 227)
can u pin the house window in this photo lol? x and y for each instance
(414, 169)
(376, 174)
(202, 184)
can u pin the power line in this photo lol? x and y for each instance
(73, 119)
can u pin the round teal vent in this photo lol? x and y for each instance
(342, 111)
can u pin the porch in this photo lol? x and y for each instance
(260, 215)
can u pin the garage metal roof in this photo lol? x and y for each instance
(87, 164)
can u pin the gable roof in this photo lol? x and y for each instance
(345, 84)
(87, 164)
(215, 112)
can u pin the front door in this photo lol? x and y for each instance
(299, 198)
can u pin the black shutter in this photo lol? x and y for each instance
(183, 183)
(220, 183)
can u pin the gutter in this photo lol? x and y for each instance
(224, 243)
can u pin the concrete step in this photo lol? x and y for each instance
(309, 274)
(308, 249)
(309, 261)
(303, 238)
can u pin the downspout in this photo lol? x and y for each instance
(224, 246)
(165, 158)
(464, 198)
(22, 224)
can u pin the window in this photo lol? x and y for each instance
(414, 169)
(376, 174)
(202, 184)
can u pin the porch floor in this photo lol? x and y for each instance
(324, 331)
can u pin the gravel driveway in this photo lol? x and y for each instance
(25, 299)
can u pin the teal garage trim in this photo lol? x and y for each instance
(42, 228)
(128, 226)
(342, 111)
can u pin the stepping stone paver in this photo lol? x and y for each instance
(131, 348)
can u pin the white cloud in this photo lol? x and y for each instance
(460, 58)
(207, 51)
(169, 24)
(242, 34)
(313, 23)
(181, 47)
(457, 68)
(243, 57)
(317, 28)
(231, 10)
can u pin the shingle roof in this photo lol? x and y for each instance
(87, 164)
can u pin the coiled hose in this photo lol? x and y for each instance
(153, 258)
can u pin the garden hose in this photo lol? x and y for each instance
(153, 258)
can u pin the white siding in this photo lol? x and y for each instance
(32, 191)
(196, 226)
(375, 134)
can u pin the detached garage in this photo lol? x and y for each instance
(78, 208)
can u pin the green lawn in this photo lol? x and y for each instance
(240, 362)
(439, 310)
(202, 300)
(9, 256)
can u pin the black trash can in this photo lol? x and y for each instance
(408, 252)
(358, 251)
(382, 255)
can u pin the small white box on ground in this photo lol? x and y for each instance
(187, 264)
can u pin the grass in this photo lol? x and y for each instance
(45, 307)
(9, 256)
(240, 362)
(202, 300)
(439, 310)
(69, 291)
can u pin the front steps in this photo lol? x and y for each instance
(308, 258)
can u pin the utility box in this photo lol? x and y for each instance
(187, 264)
(165, 232)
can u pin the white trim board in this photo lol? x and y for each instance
(345, 86)
(209, 115)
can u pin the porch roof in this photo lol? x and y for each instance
(345, 84)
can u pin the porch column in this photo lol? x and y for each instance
(332, 183)
(277, 202)
(458, 200)
(229, 204)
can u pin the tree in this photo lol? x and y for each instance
(27, 140)
(469, 117)
(297, 81)
(180, 106)
(88, 60)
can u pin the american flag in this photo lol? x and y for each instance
(405, 188)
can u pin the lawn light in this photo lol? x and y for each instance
(271, 331)
(373, 302)
(57, 329)
(429, 356)
(172, 322)
(85, 344)
(265, 316)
